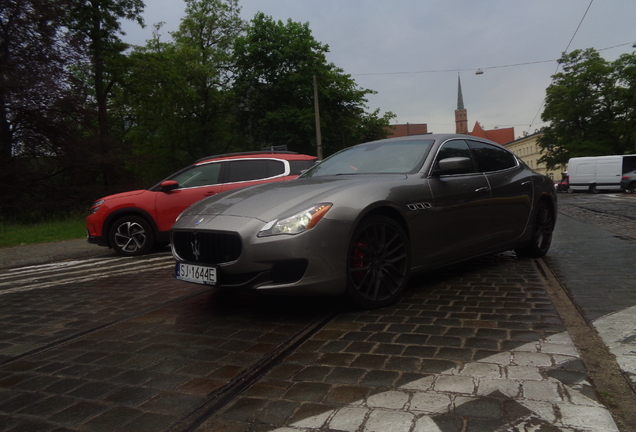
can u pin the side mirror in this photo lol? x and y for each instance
(169, 185)
(454, 165)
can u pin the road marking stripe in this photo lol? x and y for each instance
(80, 263)
(36, 273)
(54, 283)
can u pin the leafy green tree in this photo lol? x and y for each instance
(177, 96)
(97, 22)
(590, 108)
(625, 75)
(275, 66)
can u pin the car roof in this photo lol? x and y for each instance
(435, 137)
(288, 155)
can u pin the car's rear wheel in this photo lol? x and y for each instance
(131, 236)
(632, 187)
(378, 262)
(541, 233)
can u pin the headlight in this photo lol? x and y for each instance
(96, 205)
(300, 222)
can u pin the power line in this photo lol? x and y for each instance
(558, 64)
(473, 69)
(450, 70)
(579, 26)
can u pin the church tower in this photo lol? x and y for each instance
(461, 116)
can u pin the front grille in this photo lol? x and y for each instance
(206, 247)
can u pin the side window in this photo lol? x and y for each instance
(298, 166)
(255, 169)
(201, 175)
(455, 148)
(491, 157)
(275, 168)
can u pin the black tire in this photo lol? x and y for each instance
(378, 262)
(570, 190)
(593, 189)
(541, 233)
(632, 187)
(131, 236)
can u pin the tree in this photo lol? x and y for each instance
(590, 107)
(31, 74)
(625, 74)
(97, 23)
(37, 114)
(275, 66)
(178, 94)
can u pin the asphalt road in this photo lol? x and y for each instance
(93, 342)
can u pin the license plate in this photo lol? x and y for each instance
(196, 273)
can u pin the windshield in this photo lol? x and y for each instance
(395, 157)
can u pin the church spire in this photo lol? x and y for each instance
(461, 115)
(460, 98)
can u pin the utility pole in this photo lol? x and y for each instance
(317, 115)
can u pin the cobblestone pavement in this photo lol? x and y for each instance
(620, 224)
(475, 347)
(478, 347)
(137, 352)
(601, 283)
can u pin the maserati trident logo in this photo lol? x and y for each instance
(195, 249)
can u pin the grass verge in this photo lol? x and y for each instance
(16, 234)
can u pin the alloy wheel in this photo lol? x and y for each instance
(544, 226)
(378, 263)
(541, 233)
(131, 235)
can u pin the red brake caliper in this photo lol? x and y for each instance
(357, 261)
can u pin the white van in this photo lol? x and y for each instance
(597, 173)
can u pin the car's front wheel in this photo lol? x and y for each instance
(131, 236)
(541, 233)
(378, 262)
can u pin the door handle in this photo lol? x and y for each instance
(210, 193)
(525, 183)
(482, 189)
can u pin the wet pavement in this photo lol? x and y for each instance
(593, 257)
(480, 346)
(476, 347)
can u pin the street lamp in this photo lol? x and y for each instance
(479, 72)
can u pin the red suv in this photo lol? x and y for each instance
(134, 223)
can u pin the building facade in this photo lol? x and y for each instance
(528, 150)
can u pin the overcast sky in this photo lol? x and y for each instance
(411, 51)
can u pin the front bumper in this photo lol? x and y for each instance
(98, 240)
(313, 262)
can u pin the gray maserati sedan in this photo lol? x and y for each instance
(363, 220)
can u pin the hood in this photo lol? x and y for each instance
(273, 200)
(123, 194)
